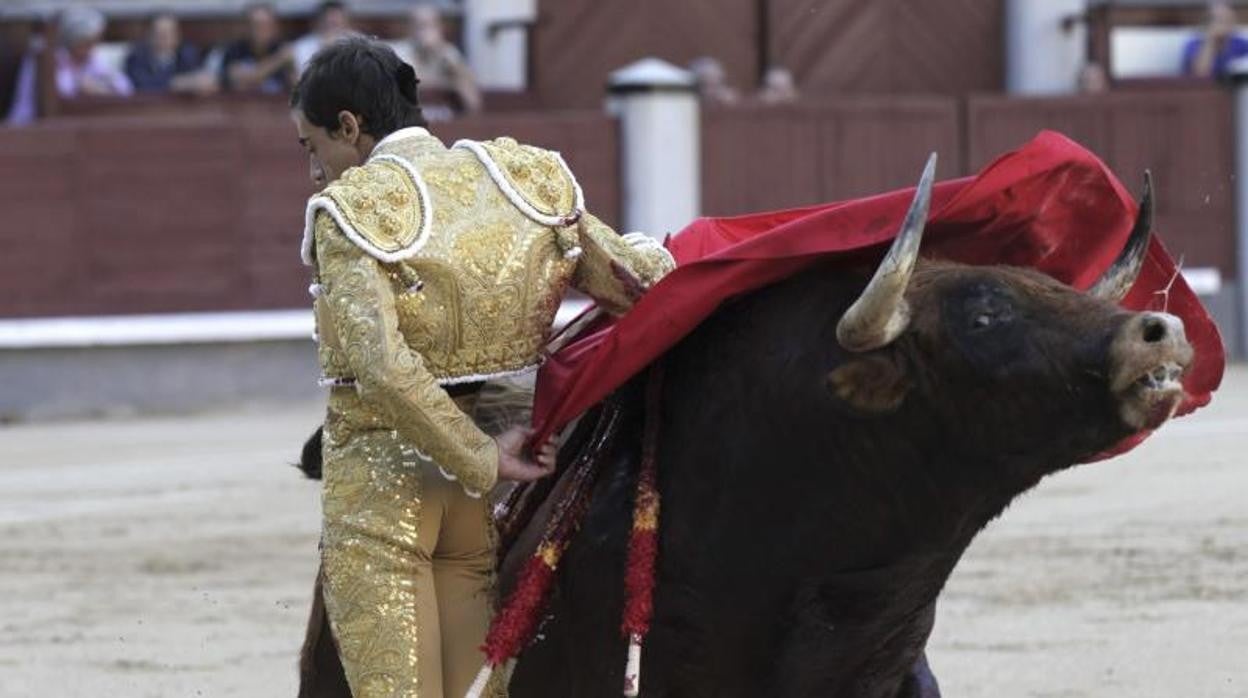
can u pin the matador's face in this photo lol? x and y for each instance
(329, 154)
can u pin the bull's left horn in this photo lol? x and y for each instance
(881, 313)
(1120, 277)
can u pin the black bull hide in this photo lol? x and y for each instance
(814, 501)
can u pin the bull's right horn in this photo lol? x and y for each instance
(1121, 275)
(881, 313)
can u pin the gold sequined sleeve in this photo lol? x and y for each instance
(388, 372)
(616, 269)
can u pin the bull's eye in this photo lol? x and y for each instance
(983, 311)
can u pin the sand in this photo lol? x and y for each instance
(174, 556)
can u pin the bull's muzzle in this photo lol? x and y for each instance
(1148, 357)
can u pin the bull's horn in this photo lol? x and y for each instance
(881, 313)
(1120, 277)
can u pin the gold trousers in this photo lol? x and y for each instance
(409, 570)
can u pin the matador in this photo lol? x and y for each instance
(435, 269)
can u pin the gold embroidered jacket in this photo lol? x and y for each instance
(439, 265)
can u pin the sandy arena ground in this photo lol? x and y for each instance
(174, 557)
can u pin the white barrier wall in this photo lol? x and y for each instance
(1241, 197)
(1042, 57)
(660, 135)
(1143, 52)
(498, 57)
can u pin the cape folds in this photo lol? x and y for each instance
(1050, 205)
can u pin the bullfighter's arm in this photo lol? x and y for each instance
(387, 371)
(616, 269)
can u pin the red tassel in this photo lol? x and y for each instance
(520, 616)
(643, 543)
(518, 619)
(639, 583)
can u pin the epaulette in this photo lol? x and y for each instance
(537, 181)
(381, 206)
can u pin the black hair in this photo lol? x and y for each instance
(362, 76)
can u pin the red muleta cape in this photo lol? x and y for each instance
(1050, 205)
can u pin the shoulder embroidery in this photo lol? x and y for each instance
(382, 207)
(537, 181)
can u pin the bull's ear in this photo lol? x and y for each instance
(874, 383)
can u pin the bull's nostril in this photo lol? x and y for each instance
(1154, 330)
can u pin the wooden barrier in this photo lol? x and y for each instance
(1184, 136)
(756, 157)
(198, 206)
(196, 212)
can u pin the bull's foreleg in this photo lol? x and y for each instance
(824, 655)
(921, 683)
(320, 669)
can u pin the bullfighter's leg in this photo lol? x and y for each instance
(820, 650)
(379, 592)
(463, 574)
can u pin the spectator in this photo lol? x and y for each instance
(75, 68)
(24, 107)
(778, 87)
(261, 61)
(332, 23)
(1210, 55)
(438, 63)
(1093, 80)
(712, 85)
(79, 68)
(163, 62)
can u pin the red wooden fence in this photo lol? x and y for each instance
(197, 211)
(1186, 137)
(757, 158)
(200, 207)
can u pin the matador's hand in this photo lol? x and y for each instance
(513, 465)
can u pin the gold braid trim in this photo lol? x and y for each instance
(537, 181)
(383, 207)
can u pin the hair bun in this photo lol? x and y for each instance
(405, 75)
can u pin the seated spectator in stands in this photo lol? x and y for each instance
(712, 84)
(24, 104)
(438, 63)
(778, 87)
(163, 62)
(76, 68)
(260, 62)
(1092, 79)
(1210, 55)
(331, 23)
(79, 68)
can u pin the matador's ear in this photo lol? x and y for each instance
(874, 383)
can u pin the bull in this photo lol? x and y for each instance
(829, 449)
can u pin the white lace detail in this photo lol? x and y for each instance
(475, 377)
(472, 494)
